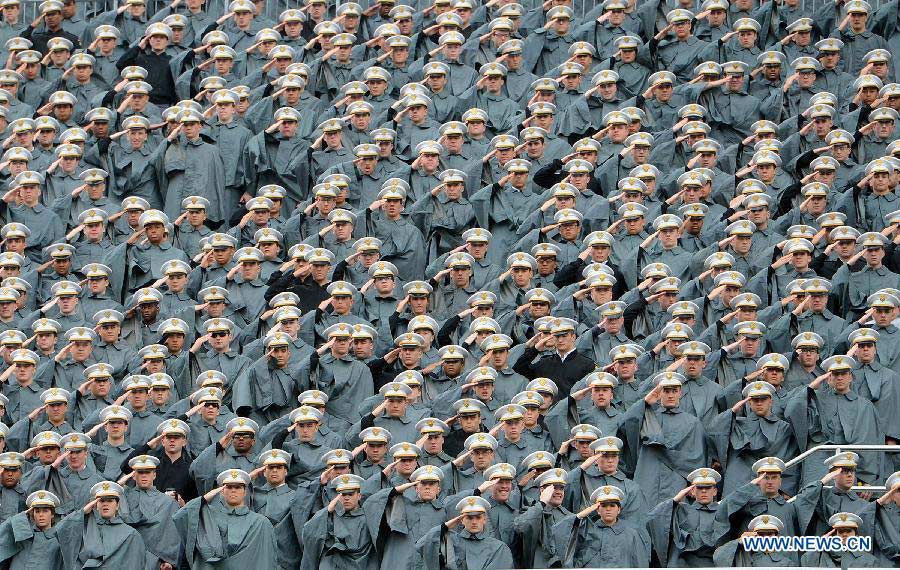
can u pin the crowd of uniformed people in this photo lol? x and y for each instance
(450, 284)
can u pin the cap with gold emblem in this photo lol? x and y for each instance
(233, 477)
(242, 425)
(704, 477)
(766, 522)
(607, 493)
(42, 499)
(473, 506)
(107, 490)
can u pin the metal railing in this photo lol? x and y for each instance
(837, 449)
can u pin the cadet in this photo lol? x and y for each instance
(242, 537)
(596, 537)
(348, 381)
(423, 509)
(844, 525)
(472, 544)
(432, 433)
(207, 426)
(832, 396)
(151, 511)
(816, 504)
(266, 388)
(24, 393)
(55, 402)
(273, 498)
(874, 381)
(11, 490)
(84, 540)
(29, 538)
(601, 467)
(761, 495)
(599, 411)
(733, 554)
(533, 526)
(653, 465)
(505, 499)
(237, 448)
(393, 414)
(688, 533)
(109, 455)
(343, 522)
(480, 450)
(738, 442)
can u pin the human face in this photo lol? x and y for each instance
(220, 340)
(434, 443)
(159, 43)
(11, 14)
(474, 523)
(840, 380)
(341, 346)
(671, 396)
(808, 356)
(108, 507)
(393, 207)
(234, 494)
(484, 391)
(865, 352)
(817, 302)
(42, 516)
(48, 454)
(363, 348)
(81, 350)
(770, 484)
(417, 113)
(144, 478)
(159, 395)
(565, 342)
(482, 458)
(452, 368)
(223, 66)
(705, 494)
(773, 375)
(275, 474)
(10, 477)
(609, 512)
(243, 442)
(306, 431)
(396, 407)
(501, 490)
(884, 316)
(375, 451)
(682, 29)
(349, 499)
(138, 398)
(53, 19)
(137, 138)
(428, 490)
(24, 372)
(846, 478)
(115, 429)
(602, 396)
(858, 21)
(761, 406)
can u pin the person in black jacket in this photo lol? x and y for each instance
(597, 249)
(174, 459)
(565, 365)
(298, 279)
(156, 61)
(555, 172)
(52, 17)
